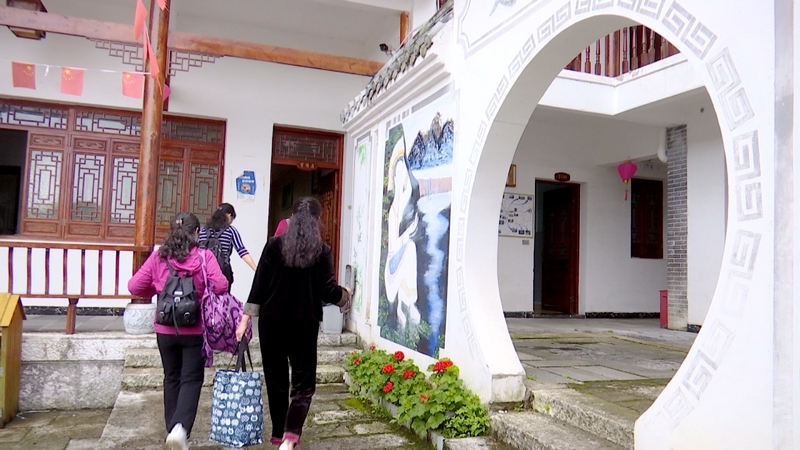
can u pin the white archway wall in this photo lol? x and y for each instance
(730, 351)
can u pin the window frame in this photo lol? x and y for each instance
(641, 190)
(203, 141)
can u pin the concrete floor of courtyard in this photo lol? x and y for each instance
(617, 364)
(620, 365)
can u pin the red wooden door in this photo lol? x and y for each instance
(560, 251)
(329, 198)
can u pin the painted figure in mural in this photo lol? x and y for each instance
(400, 272)
(416, 235)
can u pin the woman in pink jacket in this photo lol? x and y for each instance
(181, 348)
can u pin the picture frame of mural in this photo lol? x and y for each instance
(516, 215)
(286, 196)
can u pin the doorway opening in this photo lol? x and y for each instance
(307, 163)
(13, 148)
(556, 244)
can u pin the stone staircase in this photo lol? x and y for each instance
(559, 418)
(143, 371)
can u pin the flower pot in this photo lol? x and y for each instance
(139, 317)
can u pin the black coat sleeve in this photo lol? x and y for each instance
(329, 290)
(260, 282)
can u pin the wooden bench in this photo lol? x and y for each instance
(11, 317)
(71, 272)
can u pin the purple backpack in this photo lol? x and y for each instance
(221, 316)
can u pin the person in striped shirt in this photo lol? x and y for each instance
(218, 227)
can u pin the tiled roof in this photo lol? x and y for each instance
(414, 50)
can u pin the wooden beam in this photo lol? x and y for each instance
(187, 42)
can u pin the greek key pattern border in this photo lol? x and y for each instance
(745, 172)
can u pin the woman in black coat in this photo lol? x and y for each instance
(293, 280)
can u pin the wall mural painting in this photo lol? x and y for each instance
(415, 233)
(360, 204)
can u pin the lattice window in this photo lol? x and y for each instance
(192, 131)
(170, 181)
(305, 147)
(87, 187)
(123, 190)
(204, 185)
(43, 186)
(647, 212)
(101, 122)
(33, 116)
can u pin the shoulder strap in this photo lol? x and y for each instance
(171, 269)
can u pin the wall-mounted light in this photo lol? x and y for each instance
(30, 5)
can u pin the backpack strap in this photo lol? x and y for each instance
(171, 269)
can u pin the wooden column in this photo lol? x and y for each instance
(152, 111)
(404, 27)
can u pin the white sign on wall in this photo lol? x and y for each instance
(516, 215)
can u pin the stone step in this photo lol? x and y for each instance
(475, 443)
(533, 431)
(149, 357)
(591, 414)
(152, 378)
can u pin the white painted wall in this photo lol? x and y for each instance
(706, 197)
(251, 96)
(609, 279)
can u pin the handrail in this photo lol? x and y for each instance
(622, 51)
(74, 246)
(69, 272)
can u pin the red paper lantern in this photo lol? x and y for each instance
(626, 171)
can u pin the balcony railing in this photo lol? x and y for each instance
(623, 51)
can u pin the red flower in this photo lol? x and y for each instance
(372, 347)
(388, 387)
(387, 369)
(423, 398)
(356, 361)
(398, 355)
(408, 374)
(441, 366)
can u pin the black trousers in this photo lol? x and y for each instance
(183, 361)
(283, 342)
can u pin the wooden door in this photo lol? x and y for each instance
(329, 198)
(560, 251)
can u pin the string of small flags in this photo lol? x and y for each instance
(24, 76)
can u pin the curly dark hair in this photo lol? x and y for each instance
(302, 241)
(182, 237)
(219, 220)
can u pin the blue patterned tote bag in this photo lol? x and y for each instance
(237, 408)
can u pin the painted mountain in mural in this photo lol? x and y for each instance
(434, 147)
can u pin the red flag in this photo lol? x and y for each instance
(162, 4)
(23, 75)
(132, 84)
(71, 81)
(151, 56)
(138, 21)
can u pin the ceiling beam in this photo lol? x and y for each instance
(187, 42)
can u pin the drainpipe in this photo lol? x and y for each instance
(662, 145)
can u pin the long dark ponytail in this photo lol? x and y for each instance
(219, 220)
(182, 237)
(302, 241)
